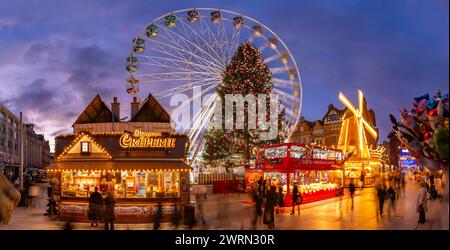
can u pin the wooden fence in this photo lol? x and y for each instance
(209, 179)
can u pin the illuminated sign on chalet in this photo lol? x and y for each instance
(140, 139)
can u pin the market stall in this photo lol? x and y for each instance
(140, 169)
(316, 171)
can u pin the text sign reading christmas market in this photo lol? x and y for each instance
(141, 139)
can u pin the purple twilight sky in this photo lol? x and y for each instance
(57, 55)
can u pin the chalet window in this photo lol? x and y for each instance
(301, 129)
(85, 147)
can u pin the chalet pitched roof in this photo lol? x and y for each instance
(96, 111)
(151, 111)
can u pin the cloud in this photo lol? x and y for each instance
(7, 23)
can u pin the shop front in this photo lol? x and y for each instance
(316, 171)
(141, 171)
(361, 171)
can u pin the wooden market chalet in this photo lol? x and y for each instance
(141, 161)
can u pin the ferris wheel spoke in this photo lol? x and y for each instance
(196, 83)
(171, 57)
(278, 70)
(163, 95)
(285, 95)
(207, 43)
(282, 81)
(187, 42)
(184, 55)
(227, 44)
(183, 75)
(216, 42)
(223, 40)
(193, 33)
(190, 85)
(235, 43)
(198, 95)
(179, 50)
(203, 124)
(180, 62)
(200, 114)
(170, 67)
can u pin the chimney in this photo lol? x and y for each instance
(134, 107)
(116, 108)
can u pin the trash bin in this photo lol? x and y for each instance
(189, 215)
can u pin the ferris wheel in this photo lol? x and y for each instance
(190, 48)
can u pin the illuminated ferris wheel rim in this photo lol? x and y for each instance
(296, 86)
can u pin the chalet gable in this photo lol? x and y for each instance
(84, 146)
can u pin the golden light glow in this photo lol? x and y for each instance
(360, 122)
(358, 113)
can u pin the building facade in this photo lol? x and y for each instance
(324, 132)
(36, 148)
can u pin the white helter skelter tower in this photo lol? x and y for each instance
(189, 49)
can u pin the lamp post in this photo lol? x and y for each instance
(21, 153)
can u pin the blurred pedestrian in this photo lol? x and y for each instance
(297, 199)
(95, 207)
(257, 213)
(108, 212)
(200, 199)
(33, 193)
(176, 216)
(391, 196)
(361, 179)
(381, 194)
(269, 211)
(421, 205)
(264, 188)
(158, 215)
(403, 186)
(351, 189)
(280, 199)
(68, 225)
(340, 194)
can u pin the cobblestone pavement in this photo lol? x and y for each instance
(228, 211)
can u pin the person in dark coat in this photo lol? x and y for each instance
(158, 216)
(108, 213)
(391, 196)
(352, 189)
(296, 197)
(95, 207)
(381, 194)
(257, 198)
(280, 199)
(269, 209)
(176, 217)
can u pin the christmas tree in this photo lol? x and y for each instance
(245, 74)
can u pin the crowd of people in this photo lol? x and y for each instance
(270, 199)
(391, 187)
